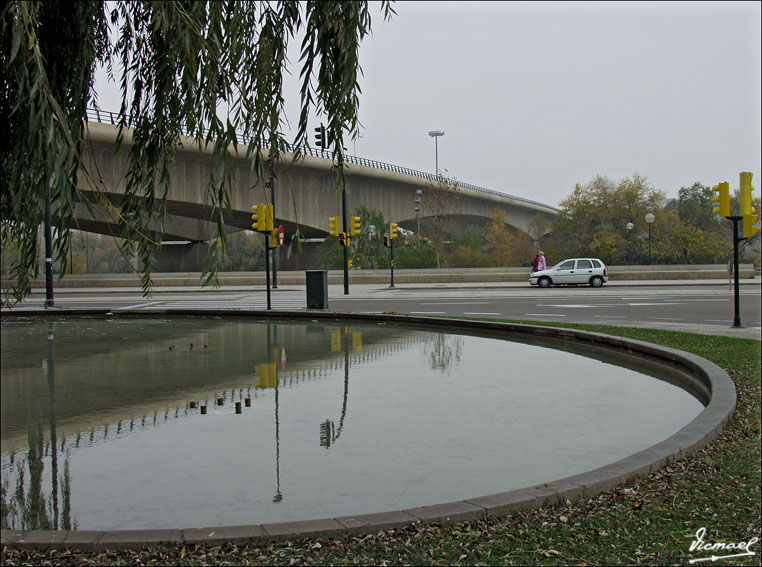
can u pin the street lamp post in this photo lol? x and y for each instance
(649, 220)
(435, 134)
(418, 193)
(630, 226)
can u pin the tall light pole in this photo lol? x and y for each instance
(630, 226)
(435, 134)
(649, 220)
(418, 193)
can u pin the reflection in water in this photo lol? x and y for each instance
(26, 507)
(139, 425)
(328, 432)
(444, 351)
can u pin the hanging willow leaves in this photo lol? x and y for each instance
(208, 70)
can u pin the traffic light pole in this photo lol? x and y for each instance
(346, 247)
(736, 278)
(267, 268)
(391, 263)
(274, 248)
(48, 254)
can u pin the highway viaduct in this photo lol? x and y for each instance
(305, 197)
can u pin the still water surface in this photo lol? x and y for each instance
(344, 419)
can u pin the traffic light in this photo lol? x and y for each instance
(354, 226)
(268, 218)
(349, 263)
(746, 189)
(386, 241)
(262, 215)
(749, 230)
(342, 239)
(393, 230)
(274, 241)
(747, 211)
(258, 217)
(320, 141)
(333, 226)
(722, 198)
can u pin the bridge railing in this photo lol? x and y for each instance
(108, 117)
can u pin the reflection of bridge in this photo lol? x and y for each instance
(152, 379)
(304, 195)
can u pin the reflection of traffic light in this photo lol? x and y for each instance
(268, 377)
(327, 435)
(386, 241)
(336, 340)
(747, 211)
(320, 137)
(333, 226)
(722, 198)
(393, 230)
(356, 341)
(354, 226)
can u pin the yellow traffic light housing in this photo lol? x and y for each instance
(269, 220)
(746, 190)
(354, 226)
(722, 198)
(333, 226)
(342, 239)
(393, 230)
(262, 217)
(258, 217)
(386, 241)
(747, 210)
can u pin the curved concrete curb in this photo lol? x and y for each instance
(694, 373)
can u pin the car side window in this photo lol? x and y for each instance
(567, 265)
(596, 264)
(584, 264)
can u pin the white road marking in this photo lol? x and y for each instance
(460, 303)
(544, 315)
(427, 312)
(141, 305)
(468, 313)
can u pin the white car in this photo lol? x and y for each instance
(572, 271)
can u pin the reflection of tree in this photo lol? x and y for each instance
(444, 351)
(31, 510)
(28, 508)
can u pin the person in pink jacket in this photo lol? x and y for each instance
(541, 264)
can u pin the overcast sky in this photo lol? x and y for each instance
(535, 97)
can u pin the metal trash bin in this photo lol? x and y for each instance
(317, 289)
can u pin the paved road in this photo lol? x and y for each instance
(699, 306)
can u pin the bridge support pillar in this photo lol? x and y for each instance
(181, 257)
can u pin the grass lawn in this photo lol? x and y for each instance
(652, 520)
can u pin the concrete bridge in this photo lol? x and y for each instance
(304, 197)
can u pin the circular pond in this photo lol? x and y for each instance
(189, 422)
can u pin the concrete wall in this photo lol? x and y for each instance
(305, 194)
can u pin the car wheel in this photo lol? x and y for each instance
(543, 282)
(596, 281)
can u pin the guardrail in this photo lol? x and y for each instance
(108, 117)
